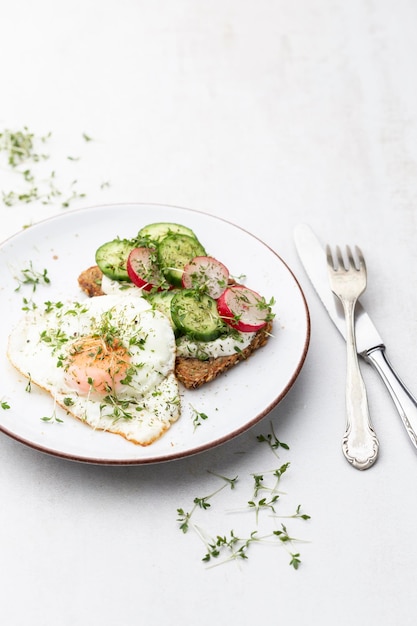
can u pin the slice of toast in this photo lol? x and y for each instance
(194, 373)
(191, 372)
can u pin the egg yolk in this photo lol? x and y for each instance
(96, 365)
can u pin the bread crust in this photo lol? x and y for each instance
(191, 372)
(90, 281)
(194, 373)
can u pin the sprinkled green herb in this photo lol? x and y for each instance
(295, 560)
(264, 502)
(32, 277)
(55, 338)
(20, 146)
(53, 418)
(272, 440)
(29, 305)
(75, 195)
(202, 503)
(23, 150)
(52, 306)
(234, 546)
(4, 405)
(197, 417)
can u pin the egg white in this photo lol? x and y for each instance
(119, 287)
(142, 409)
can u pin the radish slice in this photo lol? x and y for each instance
(207, 274)
(143, 270)
(243, 309)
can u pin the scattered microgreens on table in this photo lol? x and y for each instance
(265, 497)
(22, 153)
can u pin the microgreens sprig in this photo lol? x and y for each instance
(29, 305)
(264, 502)
(31, 277)
(202, 503)
(22, 152)
(272, 440)
(197, 417)
(297, 515)
(20, 146)
(115, 408)
(55, 338)
(74, 195)
(233, 547)
(53, 418)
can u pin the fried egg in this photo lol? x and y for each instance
(108, 361)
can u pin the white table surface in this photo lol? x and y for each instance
(267, 113)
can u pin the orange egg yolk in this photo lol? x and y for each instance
(94, 365)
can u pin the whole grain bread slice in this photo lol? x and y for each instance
(191, 372)
(194, 373)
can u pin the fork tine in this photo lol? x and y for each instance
(350, 257)
(357, 263)
(339, 256)
(329, 256)
(361, 258)
(337, 261)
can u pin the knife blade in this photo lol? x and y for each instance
(370, 345)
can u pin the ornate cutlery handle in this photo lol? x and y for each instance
(405, 402)
(360, 444)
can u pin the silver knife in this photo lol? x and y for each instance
(370, 345)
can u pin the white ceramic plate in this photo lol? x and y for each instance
(65, 246)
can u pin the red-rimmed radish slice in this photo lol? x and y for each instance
(206, 273)
(143, 270)
(243, 309)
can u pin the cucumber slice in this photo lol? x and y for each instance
(161, 301)
(195, 314)
(158, 230)
(111, 257)
(174, 252)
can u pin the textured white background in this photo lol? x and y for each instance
(268, 113)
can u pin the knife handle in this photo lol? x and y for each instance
(404, 401)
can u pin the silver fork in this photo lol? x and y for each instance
(348, 281)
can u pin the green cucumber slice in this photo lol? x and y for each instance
(195, 314)
(158, 230)
(161, 301)
(174, 252)
(111, 257)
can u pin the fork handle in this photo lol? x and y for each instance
(404, 400)
(360, 444)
